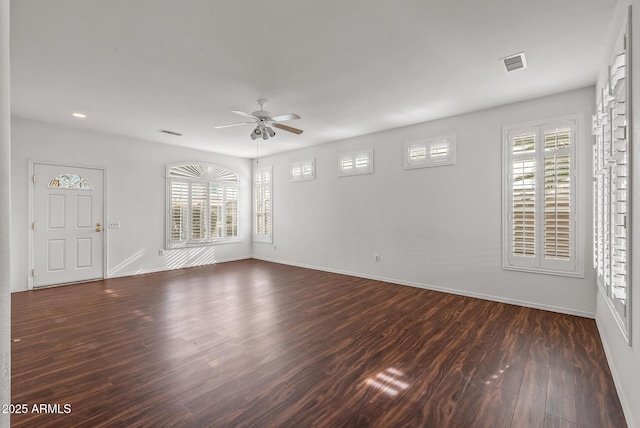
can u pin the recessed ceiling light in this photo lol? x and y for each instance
(80, 115)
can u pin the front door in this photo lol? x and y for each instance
(68, 237)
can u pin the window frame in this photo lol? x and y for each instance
(212, 175)
(574, 267)
(262, 237)
(311, 164)
(353, 156)
(429, 160)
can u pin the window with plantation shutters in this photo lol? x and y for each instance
(262, 190)
(612, 185)
(202, 205)
(431, 152)
(355, 163)
(303, 170)
(539, 202)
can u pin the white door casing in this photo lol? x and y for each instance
(68, 226)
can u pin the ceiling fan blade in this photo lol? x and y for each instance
(288, 128)
(283, 117)
(231, 124)
(241, 113)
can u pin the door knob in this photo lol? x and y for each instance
(98, 227)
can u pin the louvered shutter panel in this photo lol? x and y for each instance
(262, 204)
(199, 205)
(439, 151)
(362, 161)
(523, 188)
(215, 210)
(557, 194)
(231, 211)
(307, 169)
(179, 195)
(259, 207)
(346, 163)
(417, 153)
(524, 207)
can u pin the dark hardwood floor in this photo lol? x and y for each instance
(258, 344)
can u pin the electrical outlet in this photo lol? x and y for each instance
(161, 252)
(376, 258)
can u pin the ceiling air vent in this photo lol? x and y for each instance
(177, 134)
(515, 62)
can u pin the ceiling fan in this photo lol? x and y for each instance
(264, 121)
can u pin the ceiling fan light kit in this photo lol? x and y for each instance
(263, 119)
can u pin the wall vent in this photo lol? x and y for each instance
(515, 62)
(177, 134)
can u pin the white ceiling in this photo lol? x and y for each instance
(347, 67)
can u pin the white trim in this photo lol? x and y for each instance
(626, 407)
(429, 161)
(482, 296)
(577, 173)
(301, 165)
(105, 204)
(224, 185)
(342, 172)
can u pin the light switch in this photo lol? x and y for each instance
(114, 225)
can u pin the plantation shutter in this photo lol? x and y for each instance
(557, 195)
(262, 204)
(199, 217)
(540, 198)
(523, 190)
(524, 206)
(179, 214)
(202, 205)
(215, 210)
(231, 209)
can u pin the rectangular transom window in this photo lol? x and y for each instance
(303, 170)
(431, 152)
(539, 200)
(355, 163)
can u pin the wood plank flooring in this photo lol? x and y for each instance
(257, 344)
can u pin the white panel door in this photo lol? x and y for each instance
(68, 237)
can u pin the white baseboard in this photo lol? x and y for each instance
(616, 378)
(499, 299)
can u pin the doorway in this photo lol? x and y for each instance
(68, 224)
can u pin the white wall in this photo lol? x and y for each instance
(136, 196)
(5, 215)
(624, 360)
(432, 227)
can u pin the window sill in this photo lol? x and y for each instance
(544, 271)
(203, 244)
